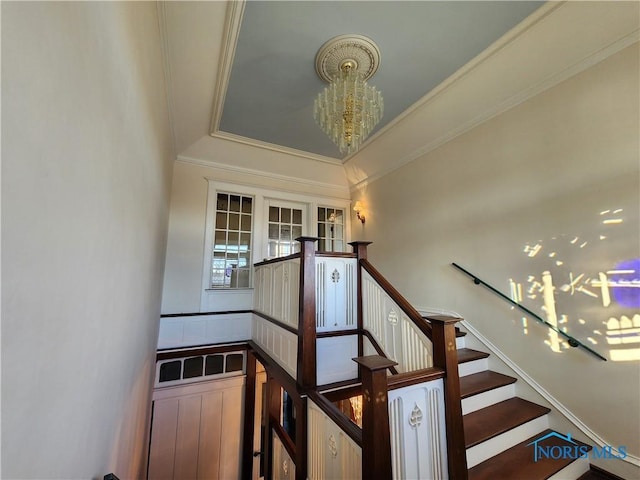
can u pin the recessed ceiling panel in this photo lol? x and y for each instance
(273, 81)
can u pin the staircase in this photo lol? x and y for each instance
(499, 427)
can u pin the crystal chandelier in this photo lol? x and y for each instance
(348, 109)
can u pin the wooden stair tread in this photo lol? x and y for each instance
(483, 382)
(501, 417)
(468, 355)
(596, 473)
(518, 462)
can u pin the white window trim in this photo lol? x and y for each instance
(242, 298)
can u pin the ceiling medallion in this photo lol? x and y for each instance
(348, 109)
(356, 48)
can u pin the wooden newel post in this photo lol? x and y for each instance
(360, 249)
(249, 413)
(445, 356)
(306, 371)
(376, 437)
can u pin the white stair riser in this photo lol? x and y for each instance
(460, 343)
(469, 368)
(484, 399)
(574, 470)
(500, 443)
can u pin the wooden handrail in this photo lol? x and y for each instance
(277, 259)
(277, 323)
(346, 425)
(413, 378)
(397, 297)
(336, 254)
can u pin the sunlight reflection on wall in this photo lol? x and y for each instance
(588, 287)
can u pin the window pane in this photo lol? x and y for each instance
(244, 259)
(285, 232)
(234, 362)
(221, 220)
(273, 214)
(227, 238)
(214, 364)
(273, 231)
(297, 232)
(247, 205)
(245, 240)
(245, 223)
(192, 367)
(272, 249)
(234, 221)
(243, 278)
(223, 202)
(285, 215)
(297, 217)
(331, 228)
(217, 277)
(170, 371)
(234, 203)
(220, 240)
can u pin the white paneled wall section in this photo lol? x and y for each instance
(184, 331)
(331, 452)
(418, 435)
(279, 343)
(335, 293)
(277, 287)
(283, 466)
(396, 334)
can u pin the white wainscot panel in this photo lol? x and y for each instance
(283, 466)
(336, 293)
(279, 343)
(277, 287)
(418, 435)
(334, 359)
(332, 454)
(395, 333)
(225, 300)
(194, 330)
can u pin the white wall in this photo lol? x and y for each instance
(86, 176)
(238, 164)
(542, 172)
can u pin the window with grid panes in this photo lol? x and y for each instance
(285, 225)
(231, 264)
(330, 229)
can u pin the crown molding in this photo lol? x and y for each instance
(446, 92)
(257, 178)
(275, 148)
(235, 11)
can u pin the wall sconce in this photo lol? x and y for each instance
(358, 209)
